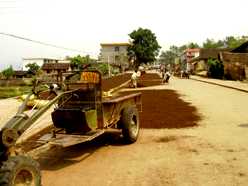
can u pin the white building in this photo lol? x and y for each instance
(114, 53)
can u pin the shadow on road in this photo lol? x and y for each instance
(165, 109)
(59, 158)
(245, 125)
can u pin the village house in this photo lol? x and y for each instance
(47, 65)
(114, 54)
(19, 74)
(199, 63)
(38, 61)
(235, 62)
(56, 68)
(188, 55)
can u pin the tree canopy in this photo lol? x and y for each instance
(216, 69)
(33, 68)
(8, 72)
(144, 46)
(78, 62)
(210, 43)
(233, 42)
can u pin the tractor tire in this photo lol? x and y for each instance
(20, 170)
(130, 124)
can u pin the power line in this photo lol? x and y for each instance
(42, 43)
(9, 7)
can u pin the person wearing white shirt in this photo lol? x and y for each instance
(134, 78)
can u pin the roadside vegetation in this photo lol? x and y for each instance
(216, 69)
(12, 91)
(11, 87)
(86, 62)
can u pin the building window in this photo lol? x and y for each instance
(117, 49)
(117, 59)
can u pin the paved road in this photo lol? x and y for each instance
(238, 85)
(215, 153)
(223, 109)
(7, 108)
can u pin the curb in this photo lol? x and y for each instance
(226, 86)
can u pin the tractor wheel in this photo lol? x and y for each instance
(20, 170)
(130, 124)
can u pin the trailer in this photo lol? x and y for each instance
(81, 113)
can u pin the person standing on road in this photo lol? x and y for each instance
(162, 70)
(134, 78)
(166, 77)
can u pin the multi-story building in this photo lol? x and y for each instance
(114, 53)
(187, 55)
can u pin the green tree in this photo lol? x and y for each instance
(182, 48)
(78, 62)
(175, 50)
(215, 68)
(193, 45)
(144, 46)
(103, 68)
(233, 42)
(167, 57)
(33, 68)
(8, 72)
(211, 43)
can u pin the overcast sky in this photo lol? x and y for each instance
(84, 24)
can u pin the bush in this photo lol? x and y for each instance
(103, 68)
(8, 72)
(215, 69)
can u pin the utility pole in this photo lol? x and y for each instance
(109, 72)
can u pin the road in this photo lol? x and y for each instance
(213, 153)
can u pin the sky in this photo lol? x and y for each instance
(84, 24)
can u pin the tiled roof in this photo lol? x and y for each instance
(208, 53)
(20, 73)
(242, 48)
(55, 66)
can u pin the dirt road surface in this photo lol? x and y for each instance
(212, 151)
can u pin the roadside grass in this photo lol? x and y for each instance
(12, 91)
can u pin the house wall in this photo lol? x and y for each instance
(188, 55)
(201, 65)
(64, 61)
(235, 71)
(53, 71)
(246, 71)
(114, 55)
